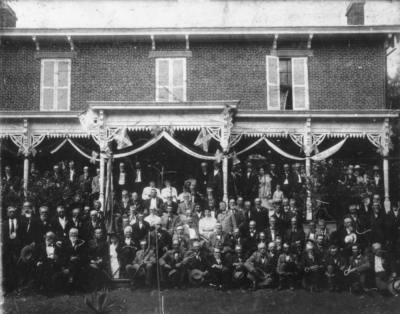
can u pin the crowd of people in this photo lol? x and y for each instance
(162, 238)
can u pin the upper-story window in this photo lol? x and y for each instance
(55, 85)
(287, 83)
(171, 79)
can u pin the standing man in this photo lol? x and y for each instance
(226, 219)
(202, 179)
(260, 215)
(96, 185)
(216, 180)
(61, 224)
(286, 181)
(121, 179)
(85, 184)
(274, 177)
(297, 179)
(235, 181)
(250, 183)
(154, 202)
(139, 178)
(10, 183)
(71, 174)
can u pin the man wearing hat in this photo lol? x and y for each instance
(169, 190)
(173, 268)
(202, 179)
(143, 266)
(219, 270)
(359, 266)
(261, 268)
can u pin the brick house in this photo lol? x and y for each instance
(304, 84)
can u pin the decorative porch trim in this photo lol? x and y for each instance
(55, 55)
(170, 54)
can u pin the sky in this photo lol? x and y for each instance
(198, 13)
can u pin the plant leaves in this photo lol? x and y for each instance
(102, 301)
(91, 306)
(109, 304)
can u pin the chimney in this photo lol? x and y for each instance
(355, 12)
(7, 16)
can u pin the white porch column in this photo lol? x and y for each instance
(385, 139)
(225, 134)
(26, 143)
(102, 145)
(225, 177)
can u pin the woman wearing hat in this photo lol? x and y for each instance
(264, 187)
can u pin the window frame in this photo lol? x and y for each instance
(171, 79)
(55, 87)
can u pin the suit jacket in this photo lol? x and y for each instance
(216, 181)
(99, 250)
(228, 222)
(140, 233)
(172, 258)
(196, 263)
(255, 261)
(235, 184)
(182, 207)
(159, 202)
(211, 261)
(377, 226)
(122, 208)
(340, 264)
(143, 177)
(170, 225)
(360, 222)
(237, 259)
(79, 224)
(128, 179)
(326, 234)
(283, 222)
(241, 241)
(88, 230)
(252, 240)
(13, 181)
(163, 239)
(96, 184)
(268, 233)
(307, 261)
(393, 225)
(147, 257)
(282, 260)
(57, 228)
(291, 236)
(241, 219)
(13, 244)
(183, 240)
(26, 225)
(79, 250)
(274, 179)
(362, 265)
(287, 176)
(260, 217)
(59, 258)
(174, 207)
(296, 185)
(85, 184)
(67, 175)
(39, 229)
(217, 243)
(387, 263)
(250, 185)
(202, 180)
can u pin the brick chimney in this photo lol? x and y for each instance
(7, 16)
(355, 12)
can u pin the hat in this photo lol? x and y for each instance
(375, 168)
(394, 285)
(238, 275)
(264, 279)
(172, 273)
(196, 277)
(26, 253)
(351, 238)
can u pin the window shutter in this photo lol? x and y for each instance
(162, 78)
(63, 85)
(48, 84)
(273, 101)
(300, 84)
(178, 80)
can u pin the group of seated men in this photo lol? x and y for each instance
(249, 246)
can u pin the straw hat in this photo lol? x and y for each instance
(196, 277)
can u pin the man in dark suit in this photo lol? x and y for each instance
(139, 178)
(202, 179)
(393, 227)
(260, 215)
(274, 176)
(172, 260)
(286, 181)
(235, 187)
(252, 236)
(71, 174)
(10, 183)
(75, 254)
(218, 237)
(60, 224)
(99, 258)
(90, 226)
(360, 220)
(238, 239)
(169, 203)
(76, 221)
(13, 235)
(377, 225)
(282, 222)
(26, 223)
(124, 204)
(140, 230)
(297, 180)
(95, 185)
(170, 221)
(272, 231)
(294, 233)
(250, 183)
(160, 240)
(377, 181)
(50, 260)
(85, 184)
(335, 265)
(218, 267)
(154, 202)
(41, 225)
(121, 179)
(216, 180)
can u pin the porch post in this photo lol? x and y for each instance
(385, 139)
(102, 145)
(307, 149)
(225, 177)
(26, 143)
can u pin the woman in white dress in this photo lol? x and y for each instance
(207, 224)
(114, 258)
(264, 190)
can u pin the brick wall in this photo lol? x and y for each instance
(341, 75)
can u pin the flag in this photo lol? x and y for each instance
(203, 139)
(88, 120)
(122, 138)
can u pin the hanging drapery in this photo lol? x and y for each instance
(59, 147)
(323, 155)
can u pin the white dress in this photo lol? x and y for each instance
(114, 261)
(206, 226)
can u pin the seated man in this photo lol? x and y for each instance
(323, 231)
(218, 237)
(261, 268)
(50, 259)
(142, 267)
(335, 265)
(272, 231)
(169, 203)
(147, 191)
(196, 258)
(91, 225)
(181, 237)
(153, 202)
(238, 239)
(140, 230)
(359, 265)
(128, 251)
(76, 251)
(287, 268)
(320, 246)
(153, 219)
(170, 221)
(311, 233)
(237, 267)
(382, 267)
(169, 190)
(160, 240)
(172, 267)
(219, 269)
(99, 257)
(252, 236)
(294, 233)
(185, 205)
(313, 268)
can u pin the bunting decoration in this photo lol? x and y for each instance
(203, 139)
(88, 120)
(122, 138)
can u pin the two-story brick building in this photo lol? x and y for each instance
(302, 86)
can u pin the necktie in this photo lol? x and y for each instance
(12, 226)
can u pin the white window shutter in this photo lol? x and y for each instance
(162, 79)
(47, 96)
(63, 85)
(300, 84)
(273, 93)
(178, 80)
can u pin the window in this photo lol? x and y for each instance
(55, 87)
(287, 83)
(171, 79)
